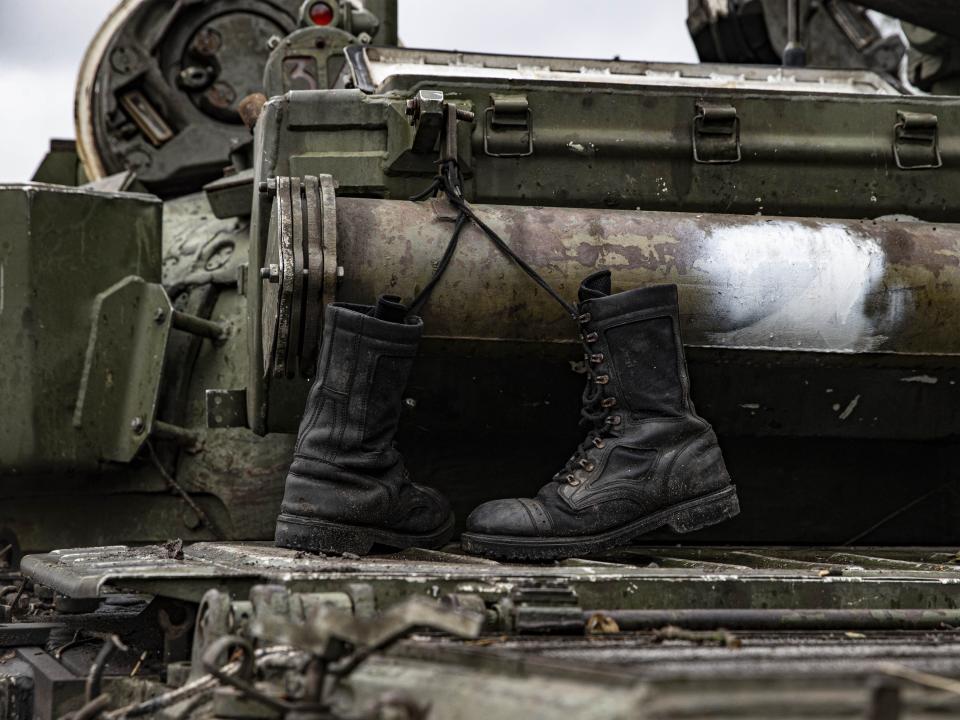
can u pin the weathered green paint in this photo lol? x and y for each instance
(626, 147)
(59, 248)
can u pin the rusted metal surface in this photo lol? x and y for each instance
(747, 282)
(650, 578)
(787, 619)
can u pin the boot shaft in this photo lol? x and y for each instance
(362, 371)
(636, 349)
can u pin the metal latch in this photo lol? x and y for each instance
(716, 134)
(508, 127)
(916, 143)
(426, 115)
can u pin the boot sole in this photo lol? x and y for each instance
(684, 517)
(322, 536)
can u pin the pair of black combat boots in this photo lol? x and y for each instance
(647, 461)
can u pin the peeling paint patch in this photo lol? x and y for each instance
(750, 406)
(577, 147)
(850, 408)
(811, 279)
(925, 379)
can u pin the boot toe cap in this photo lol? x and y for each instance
(502, 517)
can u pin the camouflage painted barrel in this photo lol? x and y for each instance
(745, 282)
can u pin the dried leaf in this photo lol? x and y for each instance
(601, 624)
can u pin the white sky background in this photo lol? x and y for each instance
(43, 41)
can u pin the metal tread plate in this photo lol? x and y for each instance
(640, 577)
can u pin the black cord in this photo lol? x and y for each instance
(450, 182)
(424, 294)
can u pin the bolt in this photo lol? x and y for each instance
(207, 42)
(410, 402)
(271, 273)
(137, 425)
(159, 316)
(195, 77)
(221, 95)
(465, 115)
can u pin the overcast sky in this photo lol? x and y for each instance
(42, 43)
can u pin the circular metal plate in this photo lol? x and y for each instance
(158, 87)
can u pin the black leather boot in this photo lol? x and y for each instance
(648, 459)
(347, 488)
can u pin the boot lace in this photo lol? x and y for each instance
(596, 412)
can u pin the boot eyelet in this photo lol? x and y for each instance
(591, 337)
(614, 420)
(573, 481)
(585, 318)
(602, 379)
(599, 444)
(587, 465)
(597, 358)
(608, 402)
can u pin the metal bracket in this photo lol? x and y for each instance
(426, 115)
(226, 408)
(916, 143)
(115, 406)
(716, 135)
(548, 608)
(508, 127)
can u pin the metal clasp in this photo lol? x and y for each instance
(916, 144)
(508, 127)
(716, 134)
(426, 115)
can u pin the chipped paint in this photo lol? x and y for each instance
(798, 284)
(925, 379)
(848, 411)
(750, 406)
(782, 278)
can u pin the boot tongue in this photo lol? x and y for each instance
(390, 308)
(595, 286)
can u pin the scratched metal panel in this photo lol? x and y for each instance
(639, 578)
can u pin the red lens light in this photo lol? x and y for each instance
(321, 14)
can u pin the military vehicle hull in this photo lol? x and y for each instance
(158, 354)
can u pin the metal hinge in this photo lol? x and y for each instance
(508, 127)
(916, 144)
(716, 134)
